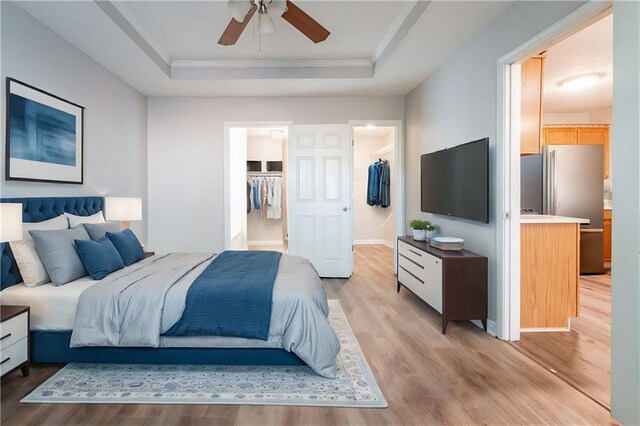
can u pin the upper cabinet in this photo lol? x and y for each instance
(559, 136)
(581, 134)
(532, 73)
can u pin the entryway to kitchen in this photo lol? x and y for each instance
(562, 98)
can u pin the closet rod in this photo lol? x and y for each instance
(267, 174)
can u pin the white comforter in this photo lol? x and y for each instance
(134, 306)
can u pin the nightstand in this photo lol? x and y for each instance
(149, 253)
(14, 339)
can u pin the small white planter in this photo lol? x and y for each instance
(419, 234)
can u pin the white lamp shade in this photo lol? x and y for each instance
(123, 208)
(239, 9)
(266, 24)
(10, 222)
(277, 8)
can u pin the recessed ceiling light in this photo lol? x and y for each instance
(370, 127)
(582, 81)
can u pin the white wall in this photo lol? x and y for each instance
(115, 128)
(263, 148)
(186, 156)
(370, 223)
(625, 325)
(457, 104)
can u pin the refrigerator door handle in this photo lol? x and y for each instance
(553, 189)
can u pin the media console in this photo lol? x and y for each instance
(454, 283)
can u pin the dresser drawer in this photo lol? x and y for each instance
(412, 282)
(13, 330)
(14, 355)
(411, 253)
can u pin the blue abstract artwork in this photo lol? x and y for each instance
(41, 133)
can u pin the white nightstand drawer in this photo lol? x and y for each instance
(13, 330)
(13, 355)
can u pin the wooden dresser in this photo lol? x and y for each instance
(454, 283)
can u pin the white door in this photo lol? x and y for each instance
(237, 220)
(320, 197)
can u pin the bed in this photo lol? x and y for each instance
(54, 310)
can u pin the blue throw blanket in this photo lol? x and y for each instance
(232, 297)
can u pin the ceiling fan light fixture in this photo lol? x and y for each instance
(277, 8)
(266, 24)
(239, 9)
(582, 81)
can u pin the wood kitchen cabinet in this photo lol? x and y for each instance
(559, 136)
(608, 214)
(568, 134)
(532, 73)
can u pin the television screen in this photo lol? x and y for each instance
(455, 181)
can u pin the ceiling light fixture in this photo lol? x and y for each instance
(276, 134)
(370, 127)
(267, 10)
(582, 81)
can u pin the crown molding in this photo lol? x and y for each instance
(269, 69)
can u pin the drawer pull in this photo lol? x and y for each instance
(412, 275)
(5, 336)
(412, 261)
(416, 253)
(5, 360)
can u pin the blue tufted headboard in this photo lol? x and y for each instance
(38, 209)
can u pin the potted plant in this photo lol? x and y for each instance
(420, 229)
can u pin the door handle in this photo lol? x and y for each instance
(345, 209)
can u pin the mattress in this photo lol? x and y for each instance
(53, 308)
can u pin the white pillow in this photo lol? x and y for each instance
(29, 263)
(79, 220)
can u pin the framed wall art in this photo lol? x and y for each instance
(44, 137)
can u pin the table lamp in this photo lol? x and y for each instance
(10, 222)
(123, 209)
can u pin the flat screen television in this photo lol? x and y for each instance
(455, 181)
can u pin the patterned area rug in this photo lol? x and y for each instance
(355, 385)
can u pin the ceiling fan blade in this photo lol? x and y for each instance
(305, 23)
(234, 30)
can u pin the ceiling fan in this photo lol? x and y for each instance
(243, 11)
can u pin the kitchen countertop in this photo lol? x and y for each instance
(544, 218)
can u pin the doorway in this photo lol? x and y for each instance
(557, 124)
(256, 192)
(374, 196)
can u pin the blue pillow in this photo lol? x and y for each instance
(99, 230)
(127, 245)
(99, 257)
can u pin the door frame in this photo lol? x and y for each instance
(398, 178)
(227, 165)
(508, 164)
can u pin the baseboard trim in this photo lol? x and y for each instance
(265, 243)
(491, 326)
(358, 242)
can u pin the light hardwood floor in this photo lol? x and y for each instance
(581, 356)
(463, 377)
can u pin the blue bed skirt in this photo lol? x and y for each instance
(53, 347)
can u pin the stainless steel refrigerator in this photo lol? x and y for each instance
(570, 183)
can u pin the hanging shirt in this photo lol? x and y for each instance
(373, 184)
(256, 194)
(385, 184)
(248, 197)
